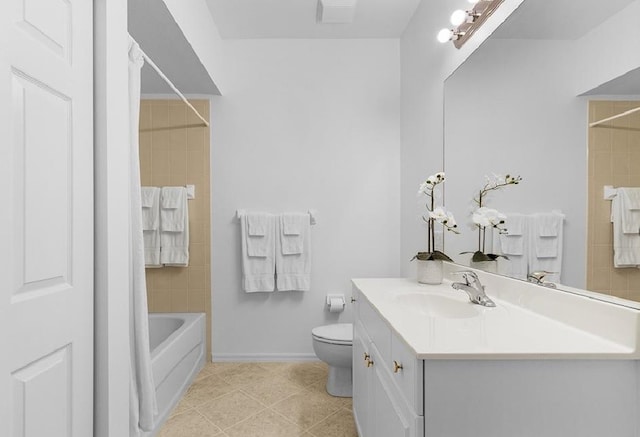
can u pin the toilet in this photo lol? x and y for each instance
(333, 345)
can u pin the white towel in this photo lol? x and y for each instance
(629, 209)
(173, 201)
(514, 247)
(258, 272)
(151, 225)
(513, 242)
(259, 240)
(546, 251)
(257, 224)
(150, 208)
(626, 247)
(291, 238)
(293, 271)
(174, 234)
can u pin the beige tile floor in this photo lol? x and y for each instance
(261, 400)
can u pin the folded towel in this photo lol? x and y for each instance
(514, 247)
(546, 251)
(293, 270)
(173, 208)
(292, 223)
(547, 225)
(257, 241)
(172, 197)
(174, 229)
(149, 196)
(512, 244)
(515, 223)
(626, 246)
(151, 248)
(150, 208)
(293, 242)
(258, 272)
(257, 224)
(629, 210)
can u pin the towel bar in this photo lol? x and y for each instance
(313, 215)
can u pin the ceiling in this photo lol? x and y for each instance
(566, 20)
(297, 19)
(625, 85)
(153, 27)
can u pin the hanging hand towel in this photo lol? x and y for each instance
(293, 270)
(257, 241)
(512, 243)
(151, 225)
(513, 246)
(291, 239)
(258, 253)
(174, 227)
(173, 202)
(546, 251)
(629, 209)
(626, 246)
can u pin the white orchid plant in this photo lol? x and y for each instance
(484, 217)
(436, 214)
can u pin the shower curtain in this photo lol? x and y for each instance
(143, 405)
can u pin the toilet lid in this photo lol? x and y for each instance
(336, 333)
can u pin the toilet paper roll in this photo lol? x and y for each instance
(336, 304)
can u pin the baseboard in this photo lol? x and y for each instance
(262, 357)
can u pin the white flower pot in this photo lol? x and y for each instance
(487, 266)
(430, 271)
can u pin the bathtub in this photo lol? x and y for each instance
(177, 344)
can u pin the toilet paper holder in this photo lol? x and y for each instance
(336, 302)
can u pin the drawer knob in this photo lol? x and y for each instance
(397, 367)
(369, 363)
(366, 356)
(353, 299)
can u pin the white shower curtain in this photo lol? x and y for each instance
(143, 405)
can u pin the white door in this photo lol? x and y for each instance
(46, 218)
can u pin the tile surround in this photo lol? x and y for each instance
(173, 151)
(261, 400)
(614, 159)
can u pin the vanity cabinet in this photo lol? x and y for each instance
(428, 364)
(387, 379)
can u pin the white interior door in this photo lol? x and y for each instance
(46, 218)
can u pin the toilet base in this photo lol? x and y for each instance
(339, 382)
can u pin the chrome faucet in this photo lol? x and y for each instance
(537, 277)
(473, 288)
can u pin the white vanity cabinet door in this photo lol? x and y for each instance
(391, 416)
(407, 374)
(362, 377)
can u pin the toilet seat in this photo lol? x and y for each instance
(339, 334)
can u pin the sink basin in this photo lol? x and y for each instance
(436, 305)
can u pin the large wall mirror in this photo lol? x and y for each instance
(521, 105)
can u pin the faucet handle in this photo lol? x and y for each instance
(468, 276)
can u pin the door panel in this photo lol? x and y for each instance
(46, 218)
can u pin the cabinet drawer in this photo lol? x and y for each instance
(409, 378)
(375, 326)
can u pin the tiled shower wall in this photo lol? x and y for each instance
(174, 151)
(614, 159)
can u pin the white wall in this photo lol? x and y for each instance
(304, 124)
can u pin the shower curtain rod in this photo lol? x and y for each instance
(173, 87)
(614, 117)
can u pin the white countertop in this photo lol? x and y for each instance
(527, 323)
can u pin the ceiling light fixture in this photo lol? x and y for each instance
(467, 22)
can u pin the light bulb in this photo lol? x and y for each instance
(458, 17)
(445, 35)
